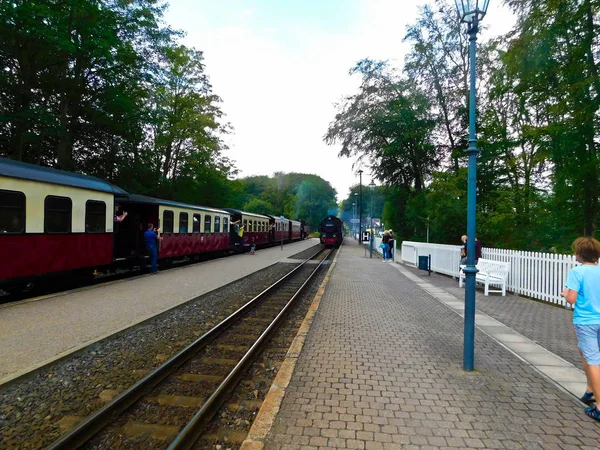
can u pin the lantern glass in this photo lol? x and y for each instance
(468, 10)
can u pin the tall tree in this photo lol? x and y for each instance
(438, 63)
(553, 57)
(387, 124)
(186, 113)
(72, 69)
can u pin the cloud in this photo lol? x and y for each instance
(279, 80)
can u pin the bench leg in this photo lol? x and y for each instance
(503, 290)
(486, 289)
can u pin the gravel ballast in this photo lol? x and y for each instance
(33, 410)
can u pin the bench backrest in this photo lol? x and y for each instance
(496, 268)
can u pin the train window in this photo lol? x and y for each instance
(95, 216)
(217, 224)
(12, 212)
(168, 221)
(207, 223)
(250, 223)
(225, 224)
(245, 224)
(196, 223)
(183, 222)
(57, 214)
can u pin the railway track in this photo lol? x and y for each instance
(172, 405)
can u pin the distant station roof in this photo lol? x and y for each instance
(17, 169)
(135, 198)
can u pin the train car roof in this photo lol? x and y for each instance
(136, 198)
(278, 218)
(25, 171)
(244, 213)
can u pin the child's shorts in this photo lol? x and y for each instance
(588, 337)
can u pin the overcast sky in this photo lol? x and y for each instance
(280, 65)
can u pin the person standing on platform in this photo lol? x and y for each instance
(478, 250)
(151, 237)
(582, 289)
(463, 250)
(385, 246)
(391, 243)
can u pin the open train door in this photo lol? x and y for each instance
(129, 234)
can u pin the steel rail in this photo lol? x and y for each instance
(192, 431)
(96, 422)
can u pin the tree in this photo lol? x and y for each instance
(387, 124)
(72, 72)
(552, 56)
(185, 113)
(439, 64)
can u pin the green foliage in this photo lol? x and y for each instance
(438, 64)
(446, 206)
(538, 171)
(295, 195)
(552, 58)
(259, 206)
(103, 87)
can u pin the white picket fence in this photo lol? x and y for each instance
(537, 275)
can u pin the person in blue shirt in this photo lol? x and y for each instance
(582, 289)
(151, 240)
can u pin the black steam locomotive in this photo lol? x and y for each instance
(331, 231)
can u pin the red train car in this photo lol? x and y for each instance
(53, 221)
(286, 230)
(255, 229)
(186, 230)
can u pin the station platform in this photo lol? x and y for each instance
(381, 367)
(40, 330)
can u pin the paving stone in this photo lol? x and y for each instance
(390, 355)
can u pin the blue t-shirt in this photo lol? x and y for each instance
(585, 279)
(150, 238)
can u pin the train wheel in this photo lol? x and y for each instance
(16, 288)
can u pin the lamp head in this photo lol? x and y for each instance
(471, 11)
(372, 185)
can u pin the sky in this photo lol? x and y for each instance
(280, 66)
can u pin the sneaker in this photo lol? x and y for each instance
(588, 398)
(593, 413)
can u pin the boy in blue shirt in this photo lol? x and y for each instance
(582, 289)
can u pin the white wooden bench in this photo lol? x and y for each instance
(491, 273)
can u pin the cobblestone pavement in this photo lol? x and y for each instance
(548, 325)
(382, 369)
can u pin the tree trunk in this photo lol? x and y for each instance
(65, 144)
